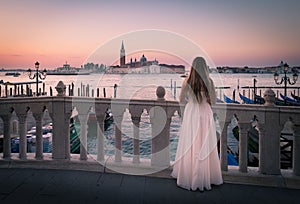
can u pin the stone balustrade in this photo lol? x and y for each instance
(270, 118)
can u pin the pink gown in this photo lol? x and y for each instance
(197, 164)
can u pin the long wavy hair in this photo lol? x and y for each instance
(199, 80)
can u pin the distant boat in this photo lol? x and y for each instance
(229, 100)
(66, 69)
(14, 74)
(67, 73)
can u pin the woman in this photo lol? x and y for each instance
(197, 163)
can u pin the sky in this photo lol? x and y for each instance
(232, 32)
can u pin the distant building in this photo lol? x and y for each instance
(143, 66)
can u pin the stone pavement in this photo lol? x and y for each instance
(69, 186)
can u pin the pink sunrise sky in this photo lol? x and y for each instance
(232, 33)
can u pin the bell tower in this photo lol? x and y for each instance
(122, 55)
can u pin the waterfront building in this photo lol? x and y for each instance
(143, 66)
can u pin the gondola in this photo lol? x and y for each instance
(258, 99)
(297, 98)
(229, 100)
(290, 101)
(245, 99)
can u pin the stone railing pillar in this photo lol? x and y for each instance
(23, 136)
(160, 121)
(269, 137)
(61, 114)
(223, 147)
(160, 137)
(83, 118)
(269, 146)
(243, 147)
(6, 135)
(296, 150)
(39, 135)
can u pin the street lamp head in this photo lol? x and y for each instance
(37, 64)
(276, 75)
(44, 72)
(29, 72)
(285, 67)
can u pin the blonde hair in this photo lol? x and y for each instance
(199, 80)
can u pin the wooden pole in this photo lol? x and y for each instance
(115, 90)
(174, 89)
(104, 93)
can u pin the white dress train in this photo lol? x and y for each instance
(197, 164)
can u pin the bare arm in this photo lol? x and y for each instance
(183, 93)
(213, 97)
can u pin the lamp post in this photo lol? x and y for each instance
(254, 89)
(285, 79)
(37, 74)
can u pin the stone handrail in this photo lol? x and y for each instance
(271, 120)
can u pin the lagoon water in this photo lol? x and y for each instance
(143, 86)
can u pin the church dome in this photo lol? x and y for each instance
(143, 58)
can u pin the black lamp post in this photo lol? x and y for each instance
(285, 79)
(37, 75)
(254, 89)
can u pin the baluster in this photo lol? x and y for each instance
(6, 135)
(23, 137)
(243, 147)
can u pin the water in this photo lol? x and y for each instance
(143, 86)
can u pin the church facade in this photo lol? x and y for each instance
(143, 66)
